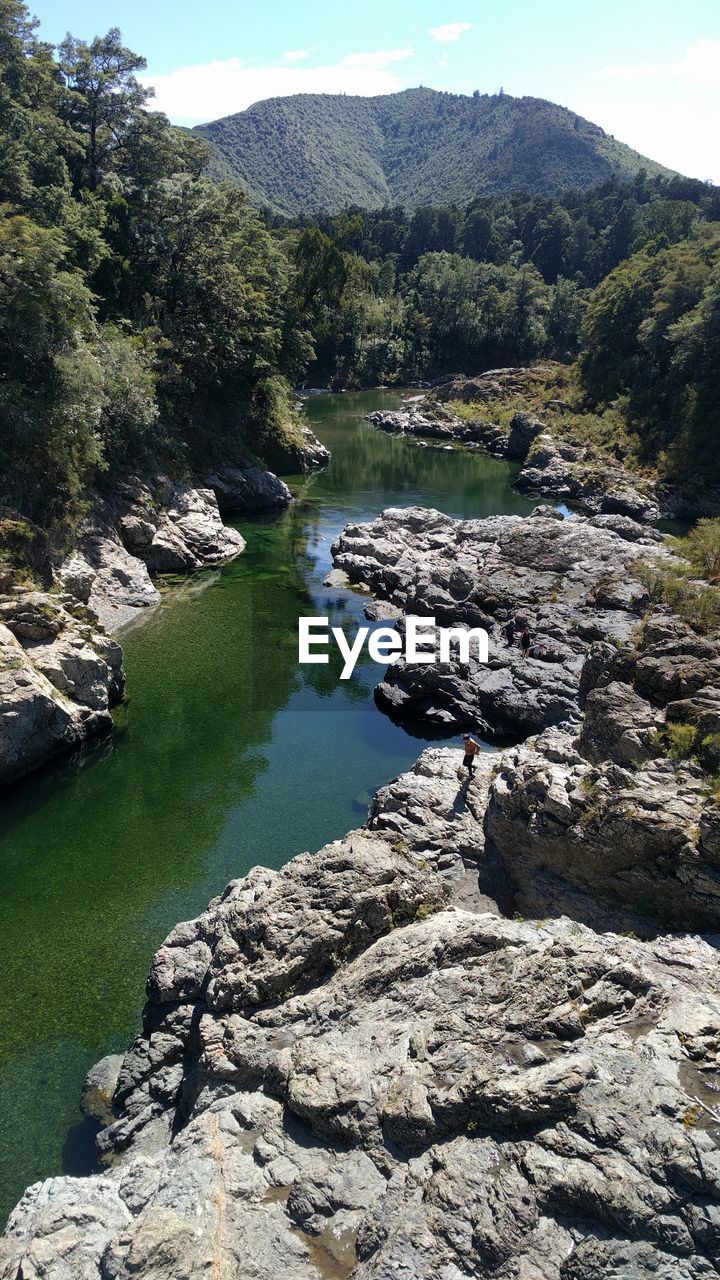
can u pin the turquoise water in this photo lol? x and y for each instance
(227, 755)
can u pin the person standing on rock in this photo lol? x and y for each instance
(510, 633)
(471, 749)
(525, 642)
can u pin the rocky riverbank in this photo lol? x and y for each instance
(59, 676)
(566, 467)
(610, 813)
(356, 1067)
(459, 1041)
(142, 528)
(571, 581)
(59, 671)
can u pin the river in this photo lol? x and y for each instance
(227, 755)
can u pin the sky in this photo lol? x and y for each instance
(649, 73)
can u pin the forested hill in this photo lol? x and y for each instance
(322, 152)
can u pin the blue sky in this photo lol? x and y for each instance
(647, 72)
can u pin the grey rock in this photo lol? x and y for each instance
(559, 466)
(343, 1075)
(399, 1121)
(571, 581)
(587, 478)
(191, 534)
(98, 1089)
(142, 527)
(524, 428)
(613, 846)
(247, 489)
(619, 725)
(58, 678)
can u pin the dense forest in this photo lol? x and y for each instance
(146, 314)
(151, 317)
(623, 280)
(319, 153)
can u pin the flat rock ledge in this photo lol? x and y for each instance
(572, 581)
(352, 1067)
(59, 675)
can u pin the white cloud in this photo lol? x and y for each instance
(451, 32)
(193, 94)
(296, 55)
(699, 65)
(669, 111)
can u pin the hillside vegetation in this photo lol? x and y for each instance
(621, 283)
(151, 318)
(320, 152)
(145, 312)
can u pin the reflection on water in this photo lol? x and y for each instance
(227, 755)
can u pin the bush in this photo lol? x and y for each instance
(681, 740)
(695, 602)
(702, 548)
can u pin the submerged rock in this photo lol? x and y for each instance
(98, 1088)
(342, 1073)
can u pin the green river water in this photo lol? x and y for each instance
(227, 755)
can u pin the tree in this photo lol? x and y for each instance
(103, 98)
(564, 318)
(35, 144)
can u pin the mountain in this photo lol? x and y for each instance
(320, 152)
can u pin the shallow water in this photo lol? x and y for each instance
(227, 755)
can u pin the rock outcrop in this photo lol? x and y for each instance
(139, 529)
(306, 453)
(313, 453)
(570, 581)
(246, 490)
(560, 466)
(605, 821)
(342, 1073)
(59, 675)
(576, 472)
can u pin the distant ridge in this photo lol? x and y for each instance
(320, 152)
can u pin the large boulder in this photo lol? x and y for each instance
(340, 1075)
(524, 428)
(615, 846)
(619, 725)
(573, 582)
(58, 678)
(242, 490)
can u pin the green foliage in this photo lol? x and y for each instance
(102, 100)
(701, 547)
(652, 337)
(145, 313)
(151, 317)
(414, 148)
(681, 740)
(696, 602)
(391, 296)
